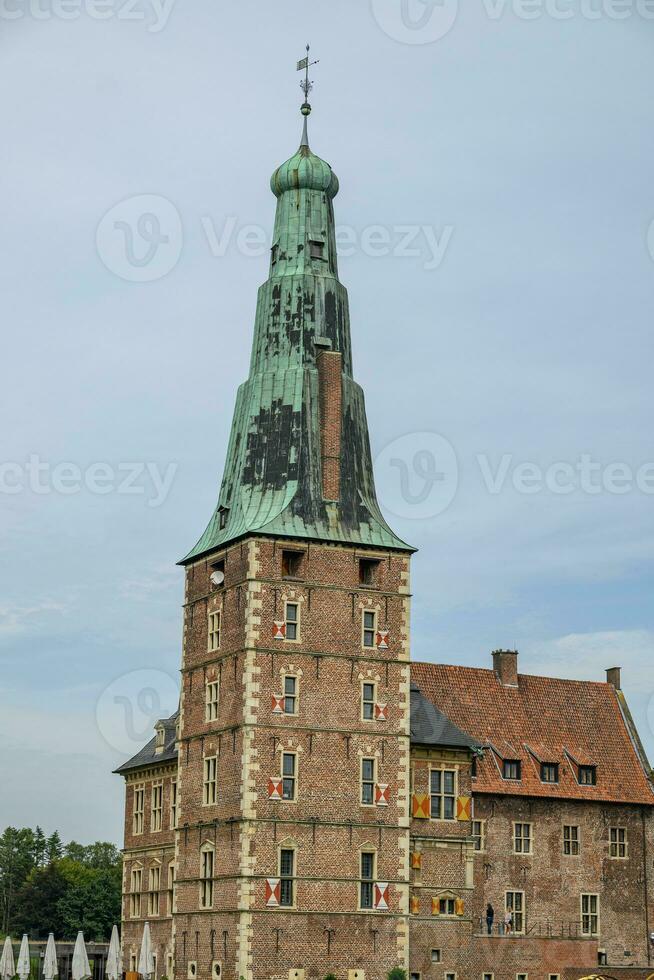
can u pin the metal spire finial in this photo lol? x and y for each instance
(306, 85)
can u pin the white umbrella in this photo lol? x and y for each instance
(24, 965)
(113, 970)
(146, 958)
(7, 964)
(50, 965)
(81, 969)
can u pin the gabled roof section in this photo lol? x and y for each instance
(431, 728)
(572, 723)
(152, 754)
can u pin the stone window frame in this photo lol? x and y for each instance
(367, 849)
(173, 807)
(488, 976)
(156, 806)
(292, 847)
(135, 889)
(481, 836)
(367, 782)
(170, 888)
(138, 813)
(590, 914)
(450, 975)
(368, 682)
(291, 674)
(523, 910)
(367, 629)
(447, 896)
(206, 890)
(444, 768)
(436, 955)
(297, 623)
(154, 890)
(615, 846)
(214, 629)
(210, 780)
(295, 776)
(211, 700)
(571, 840)
(520, 839)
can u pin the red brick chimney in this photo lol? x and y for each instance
(614, 677)
(330, 379)
(505, 665)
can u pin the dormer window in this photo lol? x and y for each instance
(222, 518)
(512, 769)
(160, 738)
(549, 772)
(317, 250)
(274, 254)
(588, 775)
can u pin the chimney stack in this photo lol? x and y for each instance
(330, 379)
(505, 665)
(614, 677)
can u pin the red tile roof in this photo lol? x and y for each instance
(544, 719)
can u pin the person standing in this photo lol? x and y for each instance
(490, 918)
(508, 922)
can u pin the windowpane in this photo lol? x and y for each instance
(287, 875)
(367, 880)
(443, 794)
(369, 628)
(368, 697)
(214, 631)
(292, 620)
(512, 769)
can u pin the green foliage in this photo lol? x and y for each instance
(397, 973)
(331, 976)
(46, 887)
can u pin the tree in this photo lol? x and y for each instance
(36, 908)
(54, 847)
(40, 846)
(92, 900)
(16, 862)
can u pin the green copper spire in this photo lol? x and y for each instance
(291, 470)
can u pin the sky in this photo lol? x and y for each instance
(496, 233)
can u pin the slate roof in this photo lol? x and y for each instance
(544, 719)
(430, 727)
(148, 756)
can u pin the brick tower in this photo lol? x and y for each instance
(292, 846)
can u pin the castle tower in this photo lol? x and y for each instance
(292, 845)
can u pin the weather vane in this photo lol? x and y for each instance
(305, 84)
